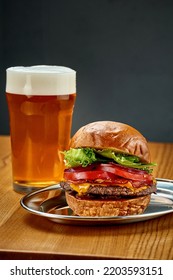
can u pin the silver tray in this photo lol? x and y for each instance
(50, 203)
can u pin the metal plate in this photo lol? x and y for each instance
(50, 203)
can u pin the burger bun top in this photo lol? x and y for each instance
(119, 137)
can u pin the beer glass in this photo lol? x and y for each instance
(40, 104)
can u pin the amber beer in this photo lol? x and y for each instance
(40, 101)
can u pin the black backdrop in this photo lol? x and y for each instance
(122, 51)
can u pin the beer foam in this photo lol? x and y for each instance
(40, 80)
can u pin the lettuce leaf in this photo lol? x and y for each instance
(85, 156)
(79, 157)
(126, 160)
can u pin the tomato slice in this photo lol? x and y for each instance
(107, 172)
(125, 172)
(89, 175)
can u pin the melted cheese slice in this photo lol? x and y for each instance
(83, 188)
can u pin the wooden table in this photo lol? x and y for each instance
(23, 235)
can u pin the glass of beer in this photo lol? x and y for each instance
(40, 103)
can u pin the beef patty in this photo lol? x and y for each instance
(113, 191)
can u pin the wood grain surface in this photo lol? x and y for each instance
(26, 236)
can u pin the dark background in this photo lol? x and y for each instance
(122, 51)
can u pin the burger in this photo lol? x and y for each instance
(108, 171)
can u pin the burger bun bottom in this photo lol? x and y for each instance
(121, 207)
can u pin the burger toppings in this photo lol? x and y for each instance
(113, 192)
(80, 156)
(107, 172)
(89, 167)
(86, 156)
